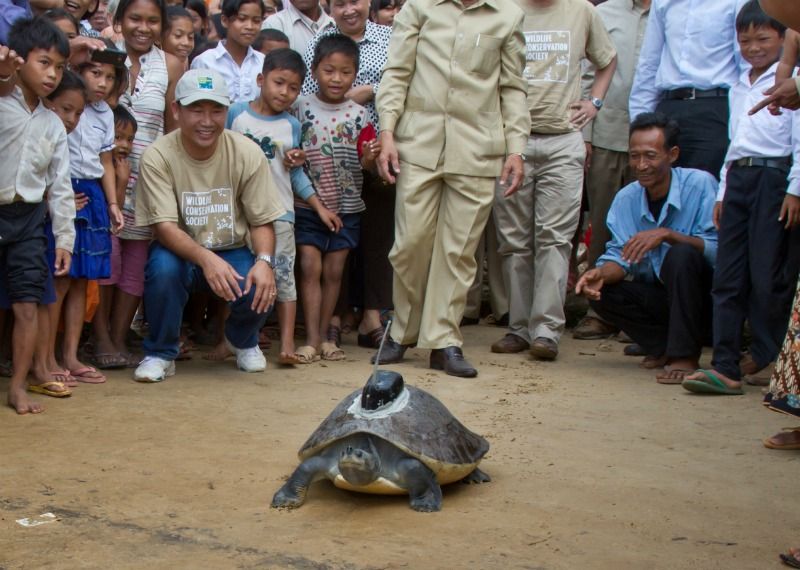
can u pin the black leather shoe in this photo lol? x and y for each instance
(452, 361)
(392, 352)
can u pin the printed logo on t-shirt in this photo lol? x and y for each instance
(208, 217)
(547, 54)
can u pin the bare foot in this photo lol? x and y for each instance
(652, 362)
(288, 358)
(18, 399)
(672, 375)
(54, 373)
(219, 352)
(784, 440)
(729, 382)
(748, 365)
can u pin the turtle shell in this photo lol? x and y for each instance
(416, 422)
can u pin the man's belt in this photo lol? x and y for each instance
(687, 93)
(783, 163)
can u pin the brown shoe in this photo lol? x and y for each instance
(592, 328)
(510, 344)
(544, 348)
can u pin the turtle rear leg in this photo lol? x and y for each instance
(293, 492)
(475, 477)
(424, 491)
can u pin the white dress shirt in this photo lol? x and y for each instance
(762, 135)
(688, 43)
(35, 159)
(298, 27)
(242, 81)
(93, 135)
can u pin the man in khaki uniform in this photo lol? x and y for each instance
(535, 228)
(453, 118)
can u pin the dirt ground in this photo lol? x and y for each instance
(594, 466)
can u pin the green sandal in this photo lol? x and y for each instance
(711, 385)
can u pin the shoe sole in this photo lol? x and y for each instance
(145, 380)
(252, 370)
(437, 366)
(591, 336)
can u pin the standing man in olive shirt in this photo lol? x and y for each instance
(453, 117)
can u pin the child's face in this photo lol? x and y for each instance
(69, 107)
(141, 25)
(99, 79)
(761, 46)
(42, 71)
(385, 16)
(245, 25)
(279, 89)
(179, 40)
(123, 139)
(271, 45)
(78, 7)
(270, 8)
(68, 28)
(335, 75)
(197, 21)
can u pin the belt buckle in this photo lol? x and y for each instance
(693, 94)
(748, 161)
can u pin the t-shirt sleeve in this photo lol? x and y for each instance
(155, 194)
(599, 48)
(258, 197)
(234, 111)
(108, 135)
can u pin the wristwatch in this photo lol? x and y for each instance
(267, 258)
(598, 103)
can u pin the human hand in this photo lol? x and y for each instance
(294, 157)
(81, 48)
(590, 284)
(117, 221)
(262, 277)
(638, 246)
(10, 62)
(362, 94)
(331, 220)
(63, 262)
(582, 112)
(716, 216)
(122, 171)
(388, 159)
(783, 95)
(513, 168)
(790, 211)
(222, 277)
(81, 200)
(371, 149)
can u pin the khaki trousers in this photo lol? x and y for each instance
(535, 228)
(608, 173)
(439, 219)
(487, 251)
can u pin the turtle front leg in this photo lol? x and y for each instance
(293, 493)
(424, 491)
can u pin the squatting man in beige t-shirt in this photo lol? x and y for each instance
(206, 192)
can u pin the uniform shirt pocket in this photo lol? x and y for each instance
(484, 55)
(37, 155)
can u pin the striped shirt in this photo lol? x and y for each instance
(146, 104)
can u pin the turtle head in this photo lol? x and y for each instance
(360, 465)
(381, 389)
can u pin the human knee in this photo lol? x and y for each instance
(683, 256)
(164, 269)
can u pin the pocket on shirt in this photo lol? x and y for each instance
(38, 153)
(484, 56)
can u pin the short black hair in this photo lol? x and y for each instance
(269, 35)
(58, 14)
(216, 21)
(752, 16)
(198, 6)
(231, 7)
(173, 13)
(70, 81)
(123, 117)
(123, 6)
(335, 43)
(647, 121)
(39, 32)
(376, 5)
(285, 58)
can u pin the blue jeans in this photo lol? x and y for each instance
(168, 282)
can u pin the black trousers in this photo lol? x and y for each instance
(703, 139)
(756, 268)
(671, 317)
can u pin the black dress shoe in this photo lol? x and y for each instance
(392, 352)
(452, 361)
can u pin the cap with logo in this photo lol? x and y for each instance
(202, 85)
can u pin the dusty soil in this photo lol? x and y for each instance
(594, 465)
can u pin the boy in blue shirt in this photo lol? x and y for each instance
(267, 122)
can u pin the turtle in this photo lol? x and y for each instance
(388, 438)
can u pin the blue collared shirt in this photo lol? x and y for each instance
(10, 12)
(688, 210)
(688, 43)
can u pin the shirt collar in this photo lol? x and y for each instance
(768, 76)
(297, 15)
(673, 198)
(371, 34)
(491, 3)
(221, 52)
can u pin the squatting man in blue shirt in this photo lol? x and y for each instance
(654, 279)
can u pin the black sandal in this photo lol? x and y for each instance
(334, 335)
(372, 339)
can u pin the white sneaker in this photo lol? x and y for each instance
(248, 359)
(154, 369)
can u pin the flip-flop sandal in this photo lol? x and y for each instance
(331, 352)
(372, 339)
(787, 446)
(712, 385)
(44, 389)
(65, 378)
(108, 360)
(790, 559)
(669, 378)
(781, 405)
(653, 362)
(288, 359)
(87, 375)
(306, 354)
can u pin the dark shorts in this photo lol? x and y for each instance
(309, 230)
(23, 253)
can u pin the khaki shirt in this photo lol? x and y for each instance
(452, 90)
(625, 21)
